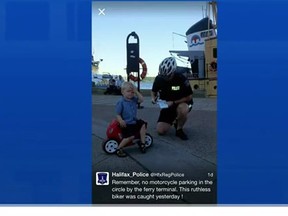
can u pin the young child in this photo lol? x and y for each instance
(126, 114)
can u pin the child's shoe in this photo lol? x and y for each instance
(121, 153)
(142, 147)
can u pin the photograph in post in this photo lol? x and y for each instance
(154, 102)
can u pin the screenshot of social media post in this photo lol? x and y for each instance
(154, 102)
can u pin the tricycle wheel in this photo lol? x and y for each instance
(148, 140)
(110, 146)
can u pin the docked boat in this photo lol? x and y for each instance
(102, 80)
(202, 52)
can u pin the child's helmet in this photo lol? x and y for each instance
(167, 67)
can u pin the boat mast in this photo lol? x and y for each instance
(95, 65)
(212, 6)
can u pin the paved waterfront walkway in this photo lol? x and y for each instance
(195, 157)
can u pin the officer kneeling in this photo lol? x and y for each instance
(176, 90)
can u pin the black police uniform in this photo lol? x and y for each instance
(172, 90)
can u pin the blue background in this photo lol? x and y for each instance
(45, 96)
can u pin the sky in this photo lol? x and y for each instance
(154, 22)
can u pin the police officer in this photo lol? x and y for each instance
(176, 90)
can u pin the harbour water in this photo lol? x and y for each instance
(143, 85)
